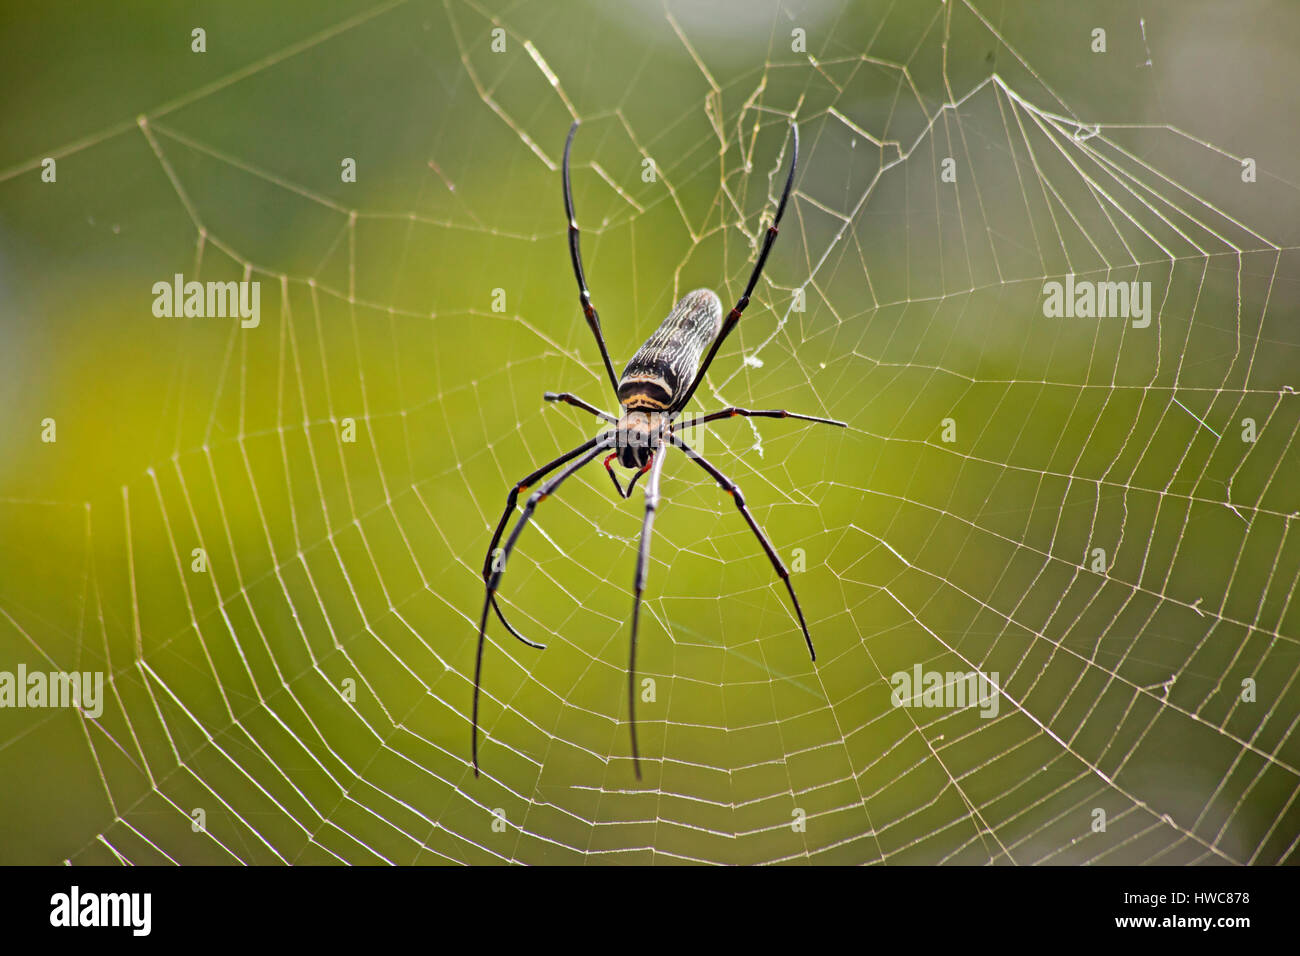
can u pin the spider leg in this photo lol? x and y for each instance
(733, 489)
(732, 411)
(642, 559)
(511, 500)
(631, 484)
(613, 477)
(576, 402)
(591, 449)
(584, 297)
(644, 468)
(733, 317)
(511, 628)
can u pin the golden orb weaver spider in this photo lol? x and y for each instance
(658, 382)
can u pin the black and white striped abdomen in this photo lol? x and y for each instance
(666, 365)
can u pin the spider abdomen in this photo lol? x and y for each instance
(666, 364)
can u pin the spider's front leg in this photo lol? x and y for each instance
(733, 489)
(495, 568)
(511, 500)
(656, 464)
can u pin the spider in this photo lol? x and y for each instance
(656, 386)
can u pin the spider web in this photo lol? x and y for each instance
(309, 690)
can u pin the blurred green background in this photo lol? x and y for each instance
(309, 690)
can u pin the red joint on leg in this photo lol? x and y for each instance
(613, 477)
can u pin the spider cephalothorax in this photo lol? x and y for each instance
(656, 386)
(639, 435)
